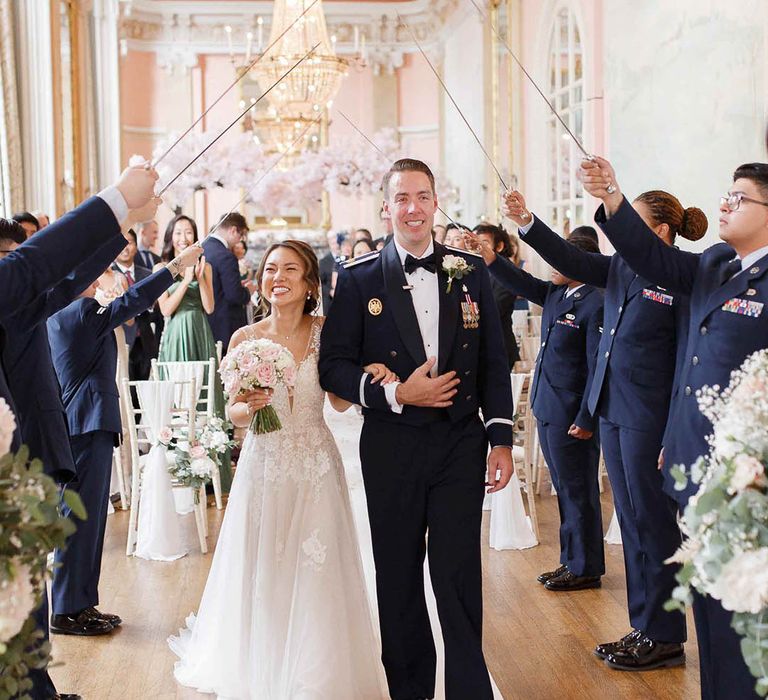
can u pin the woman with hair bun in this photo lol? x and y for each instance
(644, 326)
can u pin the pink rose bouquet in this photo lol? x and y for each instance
(258, 364)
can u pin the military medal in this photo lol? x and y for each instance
(375, 307)
(470, 312)
(743, 307)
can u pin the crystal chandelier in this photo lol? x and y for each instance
(313, 84)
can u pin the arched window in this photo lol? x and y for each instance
(566, 93)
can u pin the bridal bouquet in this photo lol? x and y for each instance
(725, 553)
(258, 364)
(30, 527)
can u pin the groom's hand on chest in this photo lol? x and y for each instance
(420, 389)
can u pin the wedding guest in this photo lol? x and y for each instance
(84, 353)
(327, 265)
(497, 240)
(230, 294)
(379, 243)
(186, 306)
(454, 235)
(148, 233)
(42, 219)
(572, 319)
(345, 253)
(362, 247)
(644, 326)
(722, 281)
(28, 222)
(438, 233)
(521, 304)
(362, 234)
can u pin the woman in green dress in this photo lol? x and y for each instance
(187, 335)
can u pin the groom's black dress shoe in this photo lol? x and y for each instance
(82, 624)
(571, 582)
(114, 620)
(67, 696)
(646, 654)
(608, 648)
(549, 575)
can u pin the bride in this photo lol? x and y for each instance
(285, 615)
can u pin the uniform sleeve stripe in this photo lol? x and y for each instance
(502, 421)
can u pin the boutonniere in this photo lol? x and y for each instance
(457, 268)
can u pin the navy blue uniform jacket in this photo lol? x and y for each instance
(728, 323)
(31, 376)
(570, 334)
(355, 335)
(230, 297)
(643, 332)
(84, 353)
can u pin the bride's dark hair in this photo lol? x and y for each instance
(311, 273)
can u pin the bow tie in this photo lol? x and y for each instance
(412, 264)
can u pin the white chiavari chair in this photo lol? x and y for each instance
(204, 374)
(182, 424)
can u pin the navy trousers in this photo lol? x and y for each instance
(649, 530)
(724, 675)
(419, 480)
(76, 581)
(42, 685)
(573, 466)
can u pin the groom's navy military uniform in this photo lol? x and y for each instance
(424, 468)
(84, 353)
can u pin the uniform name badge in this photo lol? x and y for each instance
(658, 297)
(470, 312)
(743, 307)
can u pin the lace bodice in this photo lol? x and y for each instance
(302, 407)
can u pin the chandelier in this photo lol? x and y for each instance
(314, 83)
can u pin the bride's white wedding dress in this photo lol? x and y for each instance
(285, 615)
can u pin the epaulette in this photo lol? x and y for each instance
(101, 310)
(461, 250)
(362, 258)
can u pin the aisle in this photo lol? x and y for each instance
(538, 644)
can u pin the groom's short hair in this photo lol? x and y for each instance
(233, 219)
(407, 165)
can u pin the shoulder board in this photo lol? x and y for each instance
(101, 309)
(461, 250)
(361, 259)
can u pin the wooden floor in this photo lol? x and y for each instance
(538, 644)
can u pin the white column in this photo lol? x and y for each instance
(36, 104)
(106, 71)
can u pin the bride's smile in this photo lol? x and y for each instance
(284, 281)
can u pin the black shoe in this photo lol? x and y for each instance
(645, 654)
(82, 624)
(114, 620)
(605, 650)
(67, 696)
(572, 582)
(549, 575)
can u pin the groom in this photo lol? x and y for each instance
(423, 444)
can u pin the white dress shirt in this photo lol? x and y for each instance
(748, 260)
(116, 202)
(219, 238)
(571, 290)
(425, 295)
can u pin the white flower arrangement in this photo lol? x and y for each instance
(7, 427)
(725, 553)
(17, 600)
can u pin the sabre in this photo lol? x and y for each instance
(533, 82)
(384, 155)
(458, 109)
(262, 176)
(162, 156)
(237, 119)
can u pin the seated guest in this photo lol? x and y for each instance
(28, 222)
(148, 233)
(231, 295)
(497, 240)
(84, 354)
(187, 306)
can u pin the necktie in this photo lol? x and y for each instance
(129, 277)
(412, 264)
(731, 269)
(146, 256)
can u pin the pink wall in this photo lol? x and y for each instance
(418, 100)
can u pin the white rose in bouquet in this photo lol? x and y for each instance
(202, 467)
(743, 583)
(746, 472)
(7, 427)
(17, 598)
